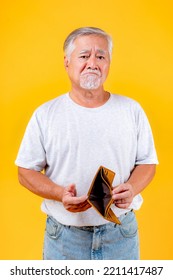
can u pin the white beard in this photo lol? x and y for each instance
(90, 81)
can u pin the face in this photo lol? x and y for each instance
(89, 63)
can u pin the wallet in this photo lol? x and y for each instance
(100, 194)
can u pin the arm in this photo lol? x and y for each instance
(141, 176)
(41, 185)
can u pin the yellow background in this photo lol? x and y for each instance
(32, 72)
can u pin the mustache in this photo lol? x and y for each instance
(91, 71)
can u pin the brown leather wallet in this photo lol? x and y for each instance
(99, 194)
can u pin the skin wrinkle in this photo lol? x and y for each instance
(69, 43)
(90, 53)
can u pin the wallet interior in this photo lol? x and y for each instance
(100, 195)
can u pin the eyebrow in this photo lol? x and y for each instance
(101, 51)
(98, 51)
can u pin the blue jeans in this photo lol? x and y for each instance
(106, 242)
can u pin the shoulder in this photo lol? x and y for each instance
(50, 106)
(125, 102)
(122, 99)
(48, 110)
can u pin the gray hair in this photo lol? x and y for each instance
(85, 31)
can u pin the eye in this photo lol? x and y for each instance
(100, 57)
(84, 56)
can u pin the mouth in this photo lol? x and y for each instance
(91, 73)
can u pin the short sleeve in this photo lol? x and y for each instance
(146, 152)
(31, 153)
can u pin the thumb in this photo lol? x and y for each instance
(71, 189)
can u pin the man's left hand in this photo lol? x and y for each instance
(123, 195)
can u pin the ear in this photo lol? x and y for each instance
(66, 62)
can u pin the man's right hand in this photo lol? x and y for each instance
(72, 202)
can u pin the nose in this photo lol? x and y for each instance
(92, 63)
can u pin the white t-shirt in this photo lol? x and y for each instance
(70, 142)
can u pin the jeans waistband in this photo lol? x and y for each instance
(107, 225)
(93, 228)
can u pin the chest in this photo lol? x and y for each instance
(72, 130)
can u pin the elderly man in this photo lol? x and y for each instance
(69, 138)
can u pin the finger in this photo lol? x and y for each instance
(120, 188)
(75, 200)
(120, 201)
(122, 195)
(78, 207)
(85, 203)
(79, 199)
(122, 205)
(71, 189)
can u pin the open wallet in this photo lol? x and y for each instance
(100, 194)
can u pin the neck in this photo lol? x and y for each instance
(90, 98)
